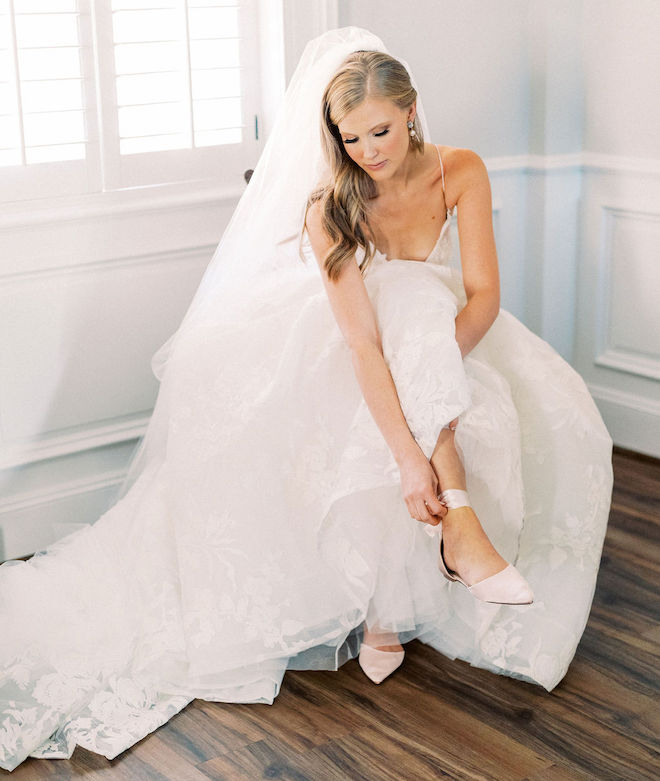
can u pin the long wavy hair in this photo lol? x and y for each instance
(344, 199)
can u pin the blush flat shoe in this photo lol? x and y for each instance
(377, 664)
(507, 587)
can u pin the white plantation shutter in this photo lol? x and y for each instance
(41, 109)
(42, 116)
(108, 94)
(178, 73)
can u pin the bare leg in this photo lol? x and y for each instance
(467, 549)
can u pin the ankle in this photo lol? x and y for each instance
(383, 640)
(457, 518)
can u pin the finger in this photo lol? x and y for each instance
(435, 506)
(424, 513)
(435, 518)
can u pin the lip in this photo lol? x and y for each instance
(378, 166)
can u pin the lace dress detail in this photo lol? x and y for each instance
(196, 585)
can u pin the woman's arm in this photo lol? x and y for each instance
(468, 186)
(355, 316)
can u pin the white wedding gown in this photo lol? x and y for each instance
(273, 524)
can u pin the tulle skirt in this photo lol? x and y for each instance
(268, 523)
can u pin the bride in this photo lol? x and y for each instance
(351, 447)
(397, 199)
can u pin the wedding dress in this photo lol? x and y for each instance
(268, 524)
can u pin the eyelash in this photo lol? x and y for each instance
(382, 133)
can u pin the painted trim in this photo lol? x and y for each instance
(630, 363)
(632, 420)
(186, 254)
(588, 162)
(134, 202)
(123, 430)
(63, 490)
(608, 356)
(631, 401)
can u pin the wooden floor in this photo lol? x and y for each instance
(435, 718)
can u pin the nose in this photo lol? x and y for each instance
(370, 151)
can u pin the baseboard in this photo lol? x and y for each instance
(633, 421)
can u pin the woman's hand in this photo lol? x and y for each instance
(419, 486)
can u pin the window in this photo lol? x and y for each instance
(109, 94)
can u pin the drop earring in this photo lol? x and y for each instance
(411, 128)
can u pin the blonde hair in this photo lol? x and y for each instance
(343, 201)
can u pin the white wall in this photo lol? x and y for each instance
(618, 329)
(558, 98)
(621, 66)
(470, 61)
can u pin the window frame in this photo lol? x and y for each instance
(104, 169)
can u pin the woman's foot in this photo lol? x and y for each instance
(380, 654)
(467, 549)
(467, 555)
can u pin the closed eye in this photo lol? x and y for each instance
(353, 140)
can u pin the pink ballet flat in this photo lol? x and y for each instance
(376, 664)
(507, 587)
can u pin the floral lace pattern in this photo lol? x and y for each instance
(272, 524)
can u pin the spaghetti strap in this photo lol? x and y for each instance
(442, 170)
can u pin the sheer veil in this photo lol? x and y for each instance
(259, 250)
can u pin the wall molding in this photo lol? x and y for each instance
(631, 401)
(630, 363)
(65, 443)
(126, 261)
(588, 162)
(533, 163)
(104, 430)
(632, 420)
(607, 355)
(132, 201)
(64, 490)
(600, 163)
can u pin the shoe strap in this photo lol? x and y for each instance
(454, 498)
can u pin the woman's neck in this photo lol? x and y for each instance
(404, 178)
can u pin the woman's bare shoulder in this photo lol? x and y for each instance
(459, 158)
(464, 169)
(313, 215)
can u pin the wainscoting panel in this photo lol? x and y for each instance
(87, 295)
(78, 342)
(630, 271)
(44, 500)
(617, 347)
